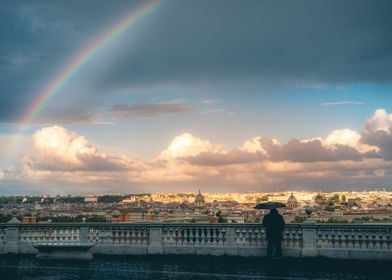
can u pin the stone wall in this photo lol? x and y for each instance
(352, 241)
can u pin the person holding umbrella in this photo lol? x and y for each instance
(274, 224)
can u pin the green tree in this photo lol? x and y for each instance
(222, 219)
(299, 219)
(5, 218)
(330, 208)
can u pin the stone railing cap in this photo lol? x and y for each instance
(14, 221)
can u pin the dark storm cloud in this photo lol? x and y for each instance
(274, 42)
(293, 151)
(69, 116)
(381, 139)
(148, 109)
(268, 41)
(86, 162)
(311, 151)
(38, 38)
(230, 158)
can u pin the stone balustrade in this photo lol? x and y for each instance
(358, 241)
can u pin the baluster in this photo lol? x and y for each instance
(216, 236)
(109, 236)
(336, 239)
(250, 237)
(343, 244)
(297, 239)
(323, 239)
(356, 241)
(115, 236)
(137, 236)
(223, 237)
(257, 237)
(263, 236)
(245, 237)
(377, 243)
(384, 241)
(237, 237)
(172, 236)
(290, 243)
(362, 240)
(370, 239)
(145, 236)
(177, 236)
(191, 237)
(132, 236)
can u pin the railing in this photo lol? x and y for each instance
(30, 235)
(366, 241)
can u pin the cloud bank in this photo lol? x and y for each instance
(343, 159)
(191, 43)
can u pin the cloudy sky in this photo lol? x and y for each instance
(211, 95)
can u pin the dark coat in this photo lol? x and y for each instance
(274, 224)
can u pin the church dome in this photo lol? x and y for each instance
(199, 200)
(292, 201)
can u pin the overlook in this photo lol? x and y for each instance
(188, 139)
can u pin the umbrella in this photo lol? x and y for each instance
(269, 205)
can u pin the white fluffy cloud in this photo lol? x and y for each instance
(348, 138)
(189, 145)
(343, 157)
(254, 145)
(380, 121)
(57, 149)
(378, 132)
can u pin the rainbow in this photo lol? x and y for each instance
(71, 69)
(83, 58)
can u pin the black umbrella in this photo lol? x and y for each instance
(269, 205)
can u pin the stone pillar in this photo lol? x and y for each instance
(230, 237)
(155, 246)
(83, 234)
(309, 238)
(12, 236)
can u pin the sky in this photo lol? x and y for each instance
(180, 95)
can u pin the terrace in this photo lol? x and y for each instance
(308, 239)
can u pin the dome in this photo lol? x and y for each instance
(292, 199)
(199, 198)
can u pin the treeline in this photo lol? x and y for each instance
(66, 199)
(5, 218)
(77, 219)
(61, 219)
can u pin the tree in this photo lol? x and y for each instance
(222, 220)
(299, 219)
(330, 208)
(5, 218)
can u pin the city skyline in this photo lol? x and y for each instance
(176, 96)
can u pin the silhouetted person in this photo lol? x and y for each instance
(274, 224)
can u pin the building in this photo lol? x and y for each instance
(118, 217)
(199, 201)
(320, 199)
(90, 199)
(292, 202)
(354, 202)
(129, 200)
(29, 219)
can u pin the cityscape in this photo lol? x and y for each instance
(188, 139)
(338, 207)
